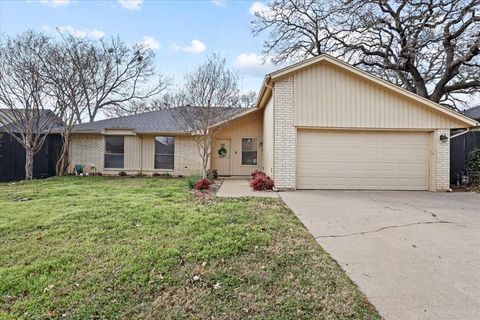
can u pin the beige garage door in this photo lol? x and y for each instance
(362, 160)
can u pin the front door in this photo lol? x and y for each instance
(222, 156)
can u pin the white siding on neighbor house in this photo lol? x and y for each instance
(248, 126)
(326, 95)
(268, 138)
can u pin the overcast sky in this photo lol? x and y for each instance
(182, 33)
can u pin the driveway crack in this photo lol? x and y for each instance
(384, 228)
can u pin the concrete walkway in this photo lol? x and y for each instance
(416, 255)
(240, 187)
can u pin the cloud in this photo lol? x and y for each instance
(78, 33)
(219, 3)
(150, 42)
(55, 3)
(131, 4)
(195, 47)
(258, 7)
(252, 64)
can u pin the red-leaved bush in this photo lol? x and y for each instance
(262, 182)
(202, 184)
(256, 173)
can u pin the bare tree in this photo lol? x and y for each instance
(24, 97)
(244, 100)
(140, 106)
(62, 75)
(202, 106)
(297, 29)
(112, 74)
(431, 47)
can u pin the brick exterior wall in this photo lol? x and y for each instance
(442, 160)
(285, 136)
(87, 150)
(187, 159)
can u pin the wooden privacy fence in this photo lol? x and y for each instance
(460, 149)
(12, 158)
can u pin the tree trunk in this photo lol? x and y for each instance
(204, 165)
(28, 164)
(63, 162)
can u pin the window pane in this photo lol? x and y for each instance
(114, 161)
(249, 151)
(114, 144)
(164, 162)
(249, 144)
(249, 157)
(164, 145)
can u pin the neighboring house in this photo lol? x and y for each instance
(473, 113)
(318, 124)
(461, 148)
(12, 154)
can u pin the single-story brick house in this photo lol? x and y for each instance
(317, 124)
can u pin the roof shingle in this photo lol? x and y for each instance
(154, 121)
(473, 113)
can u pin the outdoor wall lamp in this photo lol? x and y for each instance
(443, 138)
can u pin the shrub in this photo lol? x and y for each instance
(193, 179)
(203, 184)
(262, 182)
(122, 174)
(212, 174)
(473, 162)
(140, 174)
(162, 174)
(256, 173)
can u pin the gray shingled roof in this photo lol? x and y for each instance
(473, 113)
(7, 115)
(154, 121)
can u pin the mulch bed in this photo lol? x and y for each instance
(466, 188)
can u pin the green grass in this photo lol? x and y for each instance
(145, 248)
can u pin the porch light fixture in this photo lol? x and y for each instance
(443, 138)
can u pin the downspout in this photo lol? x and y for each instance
(460, 134)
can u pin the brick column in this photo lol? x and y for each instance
(442, 160)
(285, 136)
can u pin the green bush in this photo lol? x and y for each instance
(212, 174)
(474, 162)
(193, 179)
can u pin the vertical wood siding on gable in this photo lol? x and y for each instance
(327, 96)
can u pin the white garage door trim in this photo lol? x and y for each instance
(362, 160)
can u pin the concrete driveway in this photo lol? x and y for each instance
(416, 255)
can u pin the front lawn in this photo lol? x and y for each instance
(123, 248)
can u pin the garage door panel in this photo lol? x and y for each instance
(362, 160)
